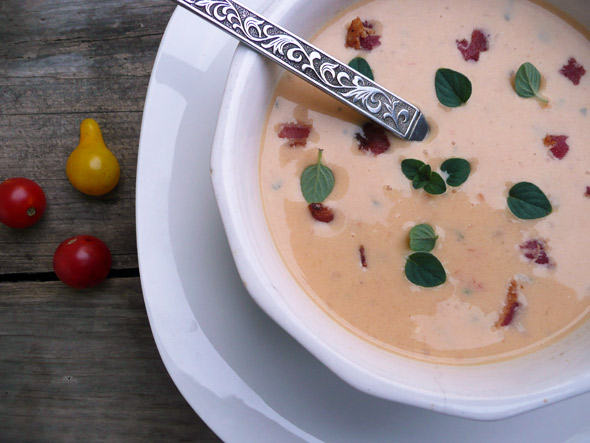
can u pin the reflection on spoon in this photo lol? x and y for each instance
(315, 66)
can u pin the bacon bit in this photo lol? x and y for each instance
(573, 70)
(297, 133)
(470, 51)
(361, 35)
(587, 193)
(363, 257)
(354, 33)
(535, 250)
(370, 42)
(373, 139)
(321, 213)
(557, 145)
(510, 306)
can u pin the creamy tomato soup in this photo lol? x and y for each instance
(512, 284)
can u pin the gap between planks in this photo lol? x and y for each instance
(18, 277)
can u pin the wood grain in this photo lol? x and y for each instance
(63, 61)
(78, 365)
(84, 367)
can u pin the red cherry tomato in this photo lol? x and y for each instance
(82, 261)
(22, 202)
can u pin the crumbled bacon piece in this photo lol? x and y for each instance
(354, 33)
(535, 251)
(573, 70)
(557, 145)
(363, 257)
(361, 35)
(510, 305)
(471, 50)
(587, 193)
(297, 133)
(321, 213)
(373, 139)
(370, 42)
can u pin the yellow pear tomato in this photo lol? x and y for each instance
(92, 168)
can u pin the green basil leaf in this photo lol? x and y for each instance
(418, 182)
(452, 88)
(422, 238)
(528, 202)
(425, 172)
(424, 269)
(528, 81)
(317, 181)
(361, 65)
(436, 184)
(422, 177)
(410, 167)
(458, 170)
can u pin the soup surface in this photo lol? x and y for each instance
(511, 284)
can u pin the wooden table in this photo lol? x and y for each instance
(78, 365)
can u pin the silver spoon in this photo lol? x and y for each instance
(314, 65)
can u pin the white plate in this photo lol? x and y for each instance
(240, 372)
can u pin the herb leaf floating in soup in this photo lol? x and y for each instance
(452, 88)
(424, 269)
(528, 81)
(528, 202)
(410, 167)
(317, 181)
(361, 65)
(458, 170)
(422, 238)
(422, 176)
(436, 184)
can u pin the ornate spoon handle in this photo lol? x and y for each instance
(312, 64)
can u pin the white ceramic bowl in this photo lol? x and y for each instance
(489, 391)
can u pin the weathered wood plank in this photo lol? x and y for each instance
(41, 155)
(62, 61)
(78, 366)
(46, 19)
(67, 56)
(83, 366)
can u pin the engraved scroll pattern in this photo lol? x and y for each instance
(341, 80)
